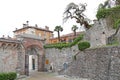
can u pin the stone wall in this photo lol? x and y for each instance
(97, 64)
(56, 58)
(97, 35)
(92, 64)
(21, 59)
(10, 57)
(8, 60)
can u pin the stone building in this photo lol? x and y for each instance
(24, 53)
(42, 33)
(66, 38)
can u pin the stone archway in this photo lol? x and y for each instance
(34, 59)
(35, 49)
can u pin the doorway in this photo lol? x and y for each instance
(33, 63)
(33, 60)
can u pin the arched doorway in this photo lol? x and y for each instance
(34, 59)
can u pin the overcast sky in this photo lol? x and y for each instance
(13, 13)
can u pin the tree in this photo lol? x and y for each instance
(112, 38)
(108, 4)
(74, 28)
(76, 11)
(101, 6)
(58, 29)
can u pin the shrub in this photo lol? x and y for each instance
(64, 45)
(8, 76)
(3, 76)
(83, 45)
(12, 76)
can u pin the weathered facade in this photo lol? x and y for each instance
(33, 47)
(35, 31)
(57, 58)
(24, 53)
(15, 55)
(91, 64)
(98, 34)
(10, 53)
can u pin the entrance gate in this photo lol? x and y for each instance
(34, 55)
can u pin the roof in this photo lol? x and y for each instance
(34, 28)
(70, 35)
(29, 36)
(11, 40)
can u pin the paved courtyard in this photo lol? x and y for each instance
(47, 76)
(44, 76)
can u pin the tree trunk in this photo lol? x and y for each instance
(112, 37)
(58, 36)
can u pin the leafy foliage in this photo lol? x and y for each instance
(8, 76)
(74, 28)
(64, 45)
(102, 13)
(83, 45)
(117, 24)
(112, 13)
(58, 29)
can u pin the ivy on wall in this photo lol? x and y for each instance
(64, 45)
(117, 23)
(112, 13)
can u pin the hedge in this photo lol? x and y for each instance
(8, 76)
(83, 45)
(64, 45)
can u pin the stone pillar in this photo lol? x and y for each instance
(27, 65)
(41, 61)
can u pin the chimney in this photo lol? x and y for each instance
(9, 37)
(36, 25)
(3, 36)
(27, 24)
(16, 28)
(46, 27)
(24, 25)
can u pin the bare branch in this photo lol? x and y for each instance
(76, 11)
